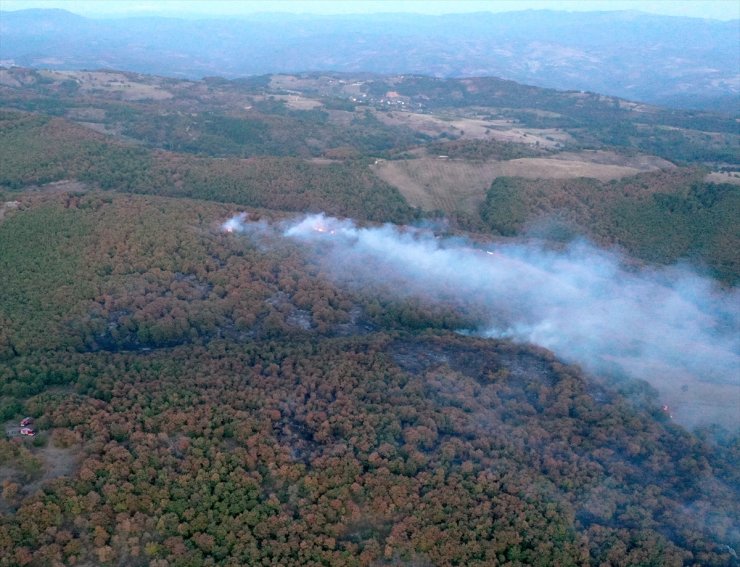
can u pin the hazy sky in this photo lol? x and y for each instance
(716, 9)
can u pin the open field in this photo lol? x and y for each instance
(457, 185)
(477, 129)
(723, 177)
(295, 101)
(112, 82)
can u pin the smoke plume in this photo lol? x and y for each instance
(668, 326)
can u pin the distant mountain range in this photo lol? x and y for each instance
(680, 62)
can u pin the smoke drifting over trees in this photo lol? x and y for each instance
(671, 327)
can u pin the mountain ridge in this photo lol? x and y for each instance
(642, 57)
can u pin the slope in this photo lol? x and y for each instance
(211, 426)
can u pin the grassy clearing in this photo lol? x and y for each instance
(723, 177)
(457, 185)
(477, 129)
(121, 84)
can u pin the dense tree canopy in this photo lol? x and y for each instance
(219, 403)
(206, 398)
(661, 217)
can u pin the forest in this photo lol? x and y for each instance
(660, 217)
(202, 397)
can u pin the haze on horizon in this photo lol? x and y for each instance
(710, 9)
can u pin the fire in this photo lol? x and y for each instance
(235, 223)
(322, 229)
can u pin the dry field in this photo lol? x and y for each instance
(111, 82)
(459, 185)
(297, 102)
(476, 129)
(723, 177)
(302, 103)
(292, 82)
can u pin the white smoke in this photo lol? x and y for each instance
(235, 223)
(671, 327)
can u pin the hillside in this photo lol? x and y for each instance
(384, 149)
(436, 369)
(458, 184)
(216, 400)
(682, 62)
(661, 217)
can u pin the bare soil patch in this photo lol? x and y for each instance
(58, 461)
(35, 465)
